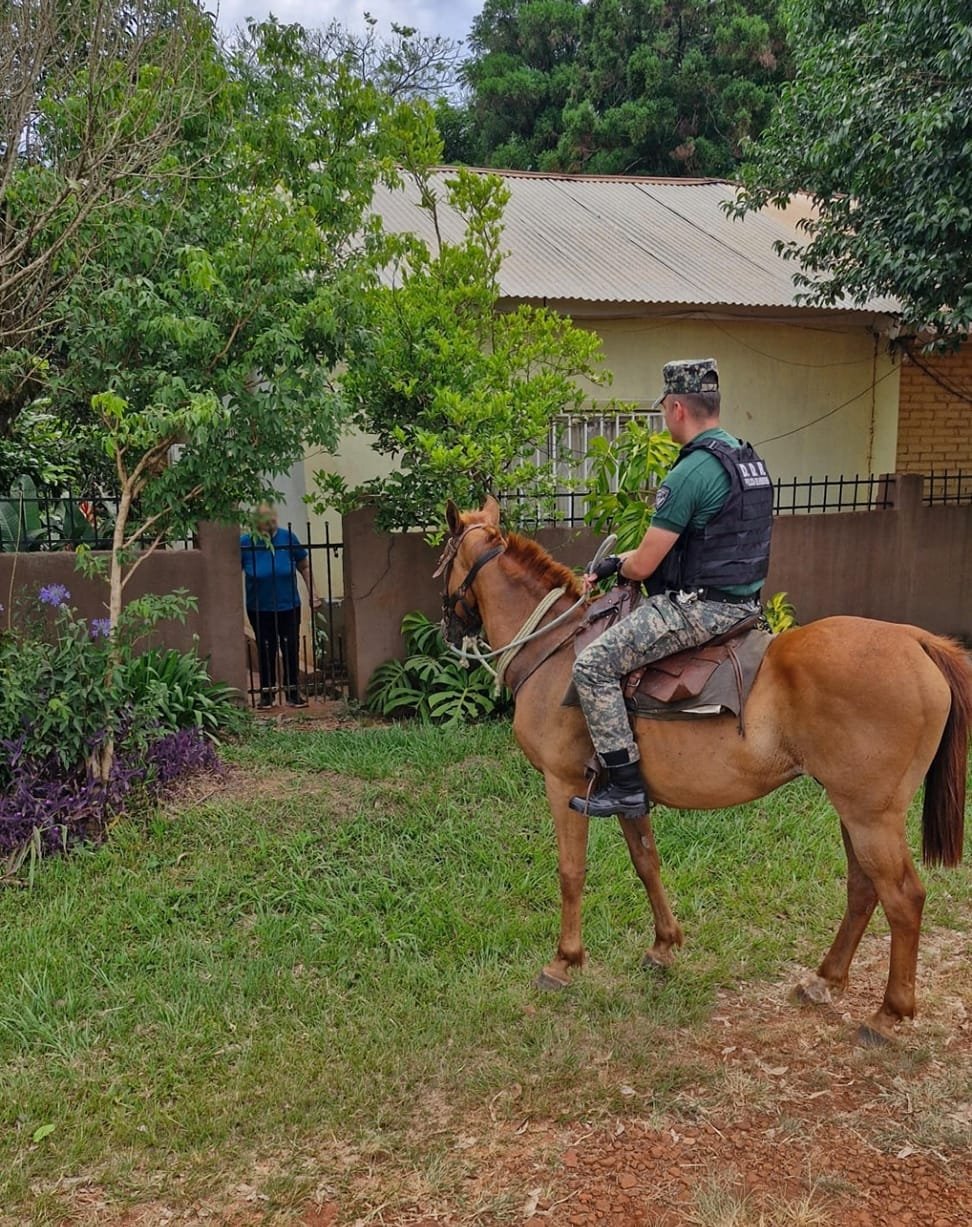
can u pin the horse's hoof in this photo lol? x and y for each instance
(870, 1037)
(651, 962)
(811, 992)
(550, 984)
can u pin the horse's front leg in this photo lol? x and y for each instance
(571, 829)
(644, 856)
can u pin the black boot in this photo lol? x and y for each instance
(622, 797)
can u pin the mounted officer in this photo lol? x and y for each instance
(706, 555)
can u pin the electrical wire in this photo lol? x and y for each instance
(830, 412)
(933, 375)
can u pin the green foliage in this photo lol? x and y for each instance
(780, 613)
(617, 86)
(877, 127)
(201, 341)
(45, 448)
(459, 393)
(95, 98)
(431, 683)
(624, 476)
(177, 687)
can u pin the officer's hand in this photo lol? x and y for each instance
(604, 569)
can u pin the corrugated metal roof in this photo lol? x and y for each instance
(626, 240)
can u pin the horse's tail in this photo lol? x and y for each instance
(943, 816)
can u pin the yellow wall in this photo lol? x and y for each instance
(775, 378)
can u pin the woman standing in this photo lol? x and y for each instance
(272, 557)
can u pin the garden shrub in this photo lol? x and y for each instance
(67, 687)
(431, 683)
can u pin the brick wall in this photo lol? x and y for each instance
(935, 422)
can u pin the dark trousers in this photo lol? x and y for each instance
(277, 630)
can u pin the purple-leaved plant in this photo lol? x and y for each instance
(66, 807)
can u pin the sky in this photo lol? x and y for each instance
(450, 17)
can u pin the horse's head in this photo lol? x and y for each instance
(474, 540)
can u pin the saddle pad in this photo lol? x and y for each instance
(708, 666)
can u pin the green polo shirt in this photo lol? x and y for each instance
(693, 492)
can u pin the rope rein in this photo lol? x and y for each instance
(472, 649)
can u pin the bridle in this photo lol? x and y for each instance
(473, 650)
(468, 620)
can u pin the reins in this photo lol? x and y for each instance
(474, 649)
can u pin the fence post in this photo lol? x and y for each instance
(221, 604)
(907, 493)
(386, 575)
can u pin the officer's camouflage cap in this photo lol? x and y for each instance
(689, 375)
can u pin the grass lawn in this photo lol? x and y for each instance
(342, 941)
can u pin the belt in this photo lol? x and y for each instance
(726, 598)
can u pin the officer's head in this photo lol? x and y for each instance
(690, 402)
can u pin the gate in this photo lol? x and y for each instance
(295, 615)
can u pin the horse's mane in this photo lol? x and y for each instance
(537, 563)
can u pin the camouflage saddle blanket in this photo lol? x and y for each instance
(708, 680)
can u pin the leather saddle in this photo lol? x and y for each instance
(710, 679)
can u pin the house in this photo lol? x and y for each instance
(659, 271)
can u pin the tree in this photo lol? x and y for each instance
(877, 127)
(403, 64)
(458, 392)
(93, 98)
(618, 86)
(204, 333)
(520, 77)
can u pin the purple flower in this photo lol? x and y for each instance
(100, 628)
(54, 594)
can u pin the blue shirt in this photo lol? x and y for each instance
(271, 571)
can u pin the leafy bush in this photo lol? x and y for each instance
(431, 683)
(624, 476)
(65, 692)
(176, 686)
(780, 614)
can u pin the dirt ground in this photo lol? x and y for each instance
(791, 1125)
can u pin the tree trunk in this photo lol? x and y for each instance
(103, 758)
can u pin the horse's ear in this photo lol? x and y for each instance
(453, 518)
(491, 510)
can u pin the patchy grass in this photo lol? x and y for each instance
(328, 960)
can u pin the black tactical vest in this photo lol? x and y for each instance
(733, 548)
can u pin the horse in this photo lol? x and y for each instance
(869, 709)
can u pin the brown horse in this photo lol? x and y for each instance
(870, 709)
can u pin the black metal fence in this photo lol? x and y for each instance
(820, 495)
(294, 606)
(948, 487)
(63, 521)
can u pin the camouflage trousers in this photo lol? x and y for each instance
(660, 626)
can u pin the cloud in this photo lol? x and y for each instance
(450, 17)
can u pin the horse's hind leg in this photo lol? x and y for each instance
(861, 900)
(644, 857)
(882, 853)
